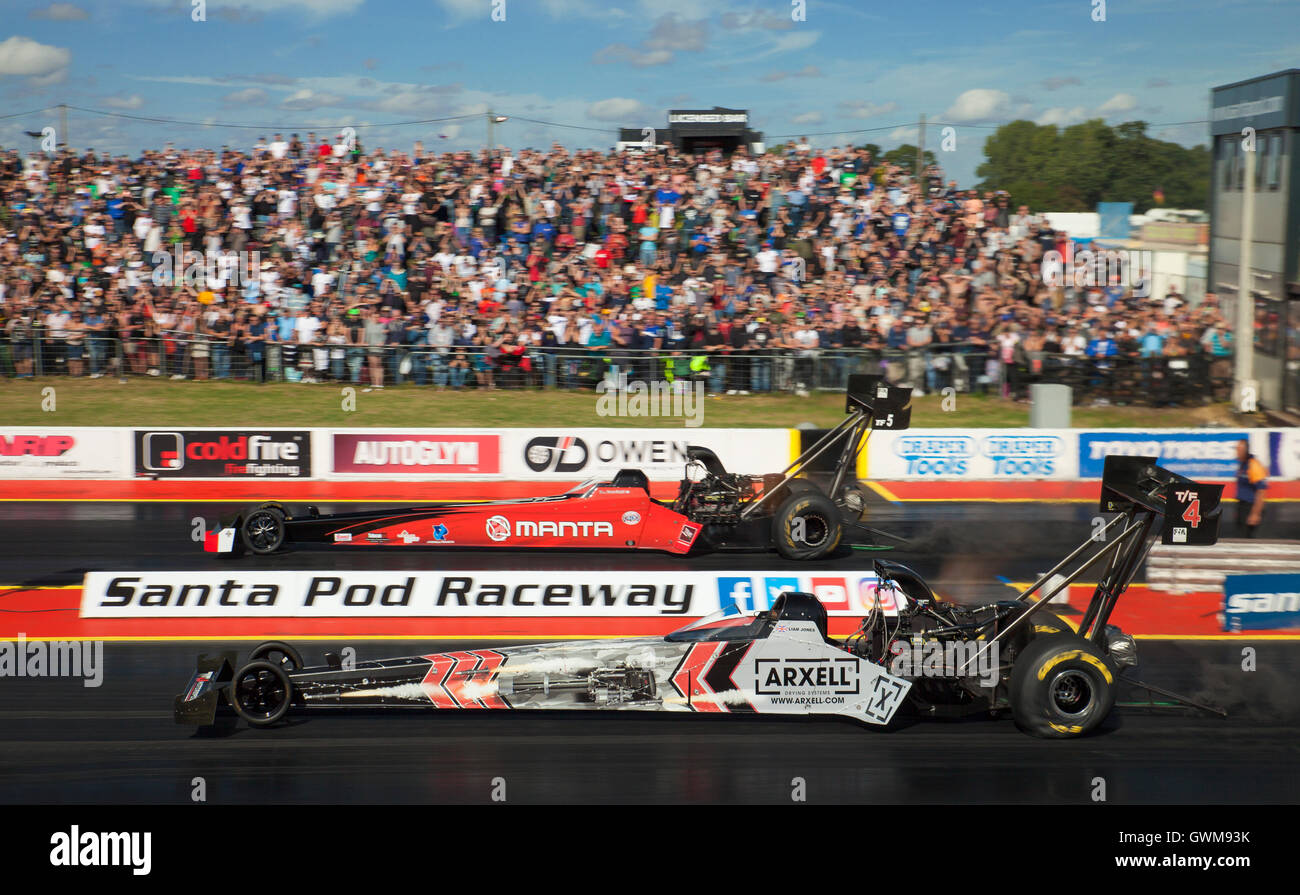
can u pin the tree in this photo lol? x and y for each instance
(1050, 169)
(905, 157)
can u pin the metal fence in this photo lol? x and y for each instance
(964, 368)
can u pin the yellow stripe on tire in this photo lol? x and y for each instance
(1057, 659)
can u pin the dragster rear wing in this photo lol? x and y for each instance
(1141, 494)
(888, 406)
(871, 403)
(1190, 510)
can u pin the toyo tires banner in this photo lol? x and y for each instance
(1197, 454)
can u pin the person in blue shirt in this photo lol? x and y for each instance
(544, 231)
(900, 221)
(1102, 346)
(663, 295)
(1152, 344)
(116, 206)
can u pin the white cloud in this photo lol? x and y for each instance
(978, 104)
(430, 102)
(618, 108)
(672, 32)
(60, 12)
(808, 71)
(634, 56)
(305, 99)
(318, 8)
(865, 109)
(809, 118)
(904, 134)
(670, 35)
(464, 9)
(1120, 102)
(1061, 116)
(134, 101)
(253, 96)
(24, 56)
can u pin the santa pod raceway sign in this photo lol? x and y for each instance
(369, 595)
(223, 453)
(473, 593)
(416, 453)
(83, 453)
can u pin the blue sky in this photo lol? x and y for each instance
(848, 65)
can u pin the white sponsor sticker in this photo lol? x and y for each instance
(498, 528)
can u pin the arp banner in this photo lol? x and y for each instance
(1261, 602)
(415, 453)
(1197, 455)
(82, 453)
(223, 453)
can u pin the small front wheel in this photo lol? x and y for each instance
(807, 526)
(260, 693)
(263, 529)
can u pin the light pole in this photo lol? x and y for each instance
(1243, 342)
(493, 119)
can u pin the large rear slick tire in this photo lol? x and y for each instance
(806, 526)
(277, 652)
(1061, 686)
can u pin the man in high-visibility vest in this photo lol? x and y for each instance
(1252, 482)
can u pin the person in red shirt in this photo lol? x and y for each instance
(616, 244)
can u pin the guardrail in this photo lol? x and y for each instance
(965, 367)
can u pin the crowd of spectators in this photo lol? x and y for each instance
(318, 260)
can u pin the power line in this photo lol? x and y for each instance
(25, 114)
(580, 127)
(602, 130)
(264, 127)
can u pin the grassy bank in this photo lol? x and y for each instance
(153, 402)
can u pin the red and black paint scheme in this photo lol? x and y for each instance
(940, 657)
(800, 513)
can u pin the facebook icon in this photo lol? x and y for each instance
(736, 595)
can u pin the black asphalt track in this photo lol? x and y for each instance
(961, 548)
(61, 742)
